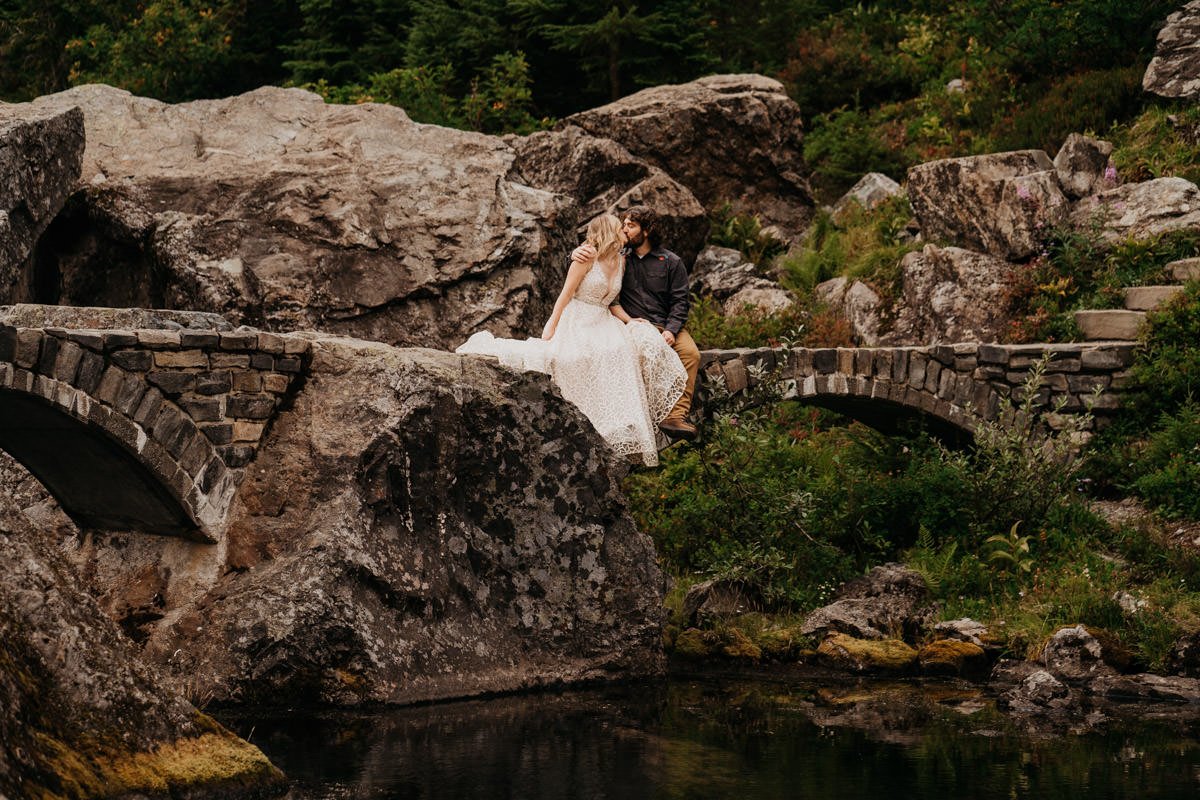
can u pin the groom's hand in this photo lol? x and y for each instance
(669, 338)
(583, 254)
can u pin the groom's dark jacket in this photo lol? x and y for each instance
(655, 288)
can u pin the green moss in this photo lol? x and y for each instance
(695, 643)
(862, 655)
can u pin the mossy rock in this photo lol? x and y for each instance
(695, 643)
(1112, 651)
(738, 645)
(781, 644)
(867, 655)
(952, 657)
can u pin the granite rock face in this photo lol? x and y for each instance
(284, 212)
(601, 175)
(733, 138)
(40, 155)
(1081, 164)
(1140, 210)
(1175, 69)
(418, 526)
(951, 295)
(79, 713)
(725, 274)
(996, 204)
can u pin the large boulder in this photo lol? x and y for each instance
(1175, 69)
(601, 175)
(417, 525)
(948, 294)
(998, 204)
(1083, 166)
(891, 601)
(726, 275)
(284, 212)
(40, 155)
(80, 715)
(733, 138)
(1139, 210)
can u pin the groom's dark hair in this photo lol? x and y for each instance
(647, 219)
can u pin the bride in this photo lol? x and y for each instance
(623, 376)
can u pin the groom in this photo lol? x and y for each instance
(655, 288)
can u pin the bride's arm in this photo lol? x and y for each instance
(574, 276)
(620, 313)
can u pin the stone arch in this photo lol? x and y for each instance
(108, 446)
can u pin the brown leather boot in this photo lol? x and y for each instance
(676, 428)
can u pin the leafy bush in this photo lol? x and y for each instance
(843, 145)
(1167, 371)
(1087, 101)
(743, 232)
(1168, 469)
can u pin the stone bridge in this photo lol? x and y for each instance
(951, 386)
(144, 421)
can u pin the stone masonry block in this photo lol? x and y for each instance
(91, 368)
(29, 346)
(237, 455)
(116, 340)
(900, 365)
(202, 409)
(212, 383)
(136, 360)
(205, 340)
(993, 354)
(247, 431)
(275, 383)
(109, 385)
(247, 382)
(864, 362)
(129, 395)
(824, 360)
(845, 360)
(159, 339)
(48, 356)
(239, 342)
(271, 343)
(8, 342)
(147, 410)
(229, 361)
(287, 365)
(1108, 358)
(943, 354)
(933, 372)
(92, 340)
(736, 377)
(214, 471)
(172, 382)
(195, 453)
(263, 361)
(296, 345)
(883, 363)
(181, 359)
(916, 369)
(799, 362)
(220, 433)
(1064, 365)
(1088, 383)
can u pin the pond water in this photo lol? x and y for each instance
(722, 739)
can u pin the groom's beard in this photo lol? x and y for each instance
(635, 241)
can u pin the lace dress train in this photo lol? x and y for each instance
(624, 378)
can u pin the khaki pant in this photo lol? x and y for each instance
(689, 354)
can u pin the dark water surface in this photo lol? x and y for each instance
(722, 739)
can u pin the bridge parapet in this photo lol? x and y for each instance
(958, 384)
(187, 407)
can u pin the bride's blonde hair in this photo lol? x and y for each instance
(604, 233)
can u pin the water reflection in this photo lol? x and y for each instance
(697, 740)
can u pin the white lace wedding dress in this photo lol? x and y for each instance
(625, 378)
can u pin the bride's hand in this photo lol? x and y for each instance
(548, 332)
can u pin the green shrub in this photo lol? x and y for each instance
(1167, 371)
(743, 232)
(1168, 469)
(842, 146)
(1163, 141)
(1087, 101)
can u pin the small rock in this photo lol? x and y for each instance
(1147, 687)
(718, 599)
(858, 302)
(871, 190)
(952, 657)
(964, 630)
(857, 655)
(1129, 604)
(1185, 656)
(1078, 653)
(890, 601)
(1039, 693)
(1175, 69)
(1139, 210)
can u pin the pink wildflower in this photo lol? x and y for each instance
(1110, 174)
(1023, 192)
